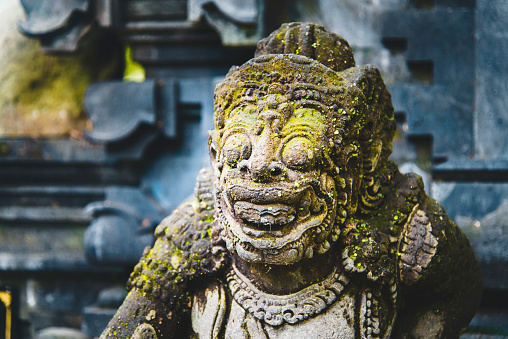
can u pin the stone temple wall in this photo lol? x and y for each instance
(91, 161)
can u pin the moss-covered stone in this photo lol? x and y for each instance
(41, 95)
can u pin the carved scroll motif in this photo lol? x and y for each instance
(417, 247)
(144, 331)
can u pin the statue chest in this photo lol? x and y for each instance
(216, 313)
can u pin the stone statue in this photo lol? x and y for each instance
(303, 228)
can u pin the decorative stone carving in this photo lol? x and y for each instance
(292, 308)
(303, 228)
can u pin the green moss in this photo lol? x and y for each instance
(42, 94)
(133, 71)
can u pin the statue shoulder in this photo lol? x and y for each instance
(184, 246)
(416, 221)
(372, 236)
(437, 270)
(427, 237)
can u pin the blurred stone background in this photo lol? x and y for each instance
(105, 107)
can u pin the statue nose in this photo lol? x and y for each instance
(262, 170)
(262, 164)
(259, 168)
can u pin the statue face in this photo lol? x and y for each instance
(275, 201)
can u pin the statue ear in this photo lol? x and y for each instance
(352, 175)
(213, 148)
(379, 116)
(367, 79)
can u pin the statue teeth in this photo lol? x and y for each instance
(325, 246)
(244, 254)
(299, 249)
(309, 252)
(292, 255)
(321, 249)
(266, 220)
(264, 215)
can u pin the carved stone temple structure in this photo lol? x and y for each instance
(302, 228)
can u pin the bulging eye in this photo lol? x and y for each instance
(236, 148)
(298, 154)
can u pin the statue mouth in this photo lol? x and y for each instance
(259, 219)
(272, 217)
(280, 220)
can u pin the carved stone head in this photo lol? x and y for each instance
(301, 140)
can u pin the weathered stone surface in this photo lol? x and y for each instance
(41, 95)
(491, 117)
(237, 22)
(469, 199)
(442, 100)
(303, 228)
(119, 231)
(33, 247)
(489, 238)
(356, 20)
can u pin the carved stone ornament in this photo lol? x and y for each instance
(303, 227)
(292, 308)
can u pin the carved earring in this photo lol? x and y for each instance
(213, 150)
(373, 157)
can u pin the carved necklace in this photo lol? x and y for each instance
(276, 310)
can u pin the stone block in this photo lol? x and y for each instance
(491, 119)
(469, 199)
(61, 333)
(439, 51)
(489, 238)
(95, 320)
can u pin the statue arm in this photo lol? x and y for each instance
(158, 298)
(142, 316)
(440, 283)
